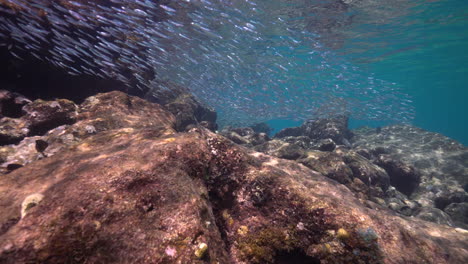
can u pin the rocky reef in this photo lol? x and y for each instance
(406, 169)
(116, 179)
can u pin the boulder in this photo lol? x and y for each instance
(187, 109)
(262, 128)
(290, 132)
(11, 104)
(435, 215)
(12, 130)
(98, 113)
(444, 198)
(330, 165)
(335, 128)
(245, 136)
(136, 191)
(402, 176)
(458, 212)
(428, 167)
(281, 149)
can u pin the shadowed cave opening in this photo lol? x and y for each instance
(39, 79)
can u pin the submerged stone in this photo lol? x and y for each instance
(136, 191)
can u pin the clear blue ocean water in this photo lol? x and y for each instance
(381, 62)
(424, 51)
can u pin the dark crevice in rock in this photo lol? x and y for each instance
(8, 224)
(220, 206)
(402, 176)
(13, 166)
(38, 79)
(41, 128)
(11, 109)
(295, 257)
(443, 201)
(7, 140)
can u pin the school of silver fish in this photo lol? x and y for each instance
(251, 60)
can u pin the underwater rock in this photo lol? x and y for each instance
(12, 130)
(368, 180)
(402, 177)
(184, 106)
(428, 166)
(209, 125)
(33, 118)
(431, 154)
(45, 115)
(135, 191)
(301, 141)
(262, 128)
(11, 104)
(326, 144)
(400, 203)
(363, 169)
(364, 178)
(335, 128)
(245, 136)
(290, 132)
(435, 215)
(458, 212)
(102, 112)
(444, 198)
(330, 165)
(281, 149)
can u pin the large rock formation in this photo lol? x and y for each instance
(429, 168)
(133, 190)
(335, 128)
(409, 170)
(187, 110)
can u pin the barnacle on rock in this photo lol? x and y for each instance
(342, 234)
(29, 202)
(201, 251)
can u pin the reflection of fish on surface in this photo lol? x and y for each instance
(234, 57)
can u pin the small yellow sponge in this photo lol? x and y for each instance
(29, 202)
(342, 234)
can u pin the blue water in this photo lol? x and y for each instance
(425, 52)
(380, 62)
(432, 64)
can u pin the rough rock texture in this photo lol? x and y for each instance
(379, 159)
(135, 191)
(12, 130)
(365, 179)
(429, 168)
(262, 128)
(458, 212)
(245, 136)
(403, 177)
(184, 106)
(281, 149)
(335, 129)
(97, 113)
(11, 104)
